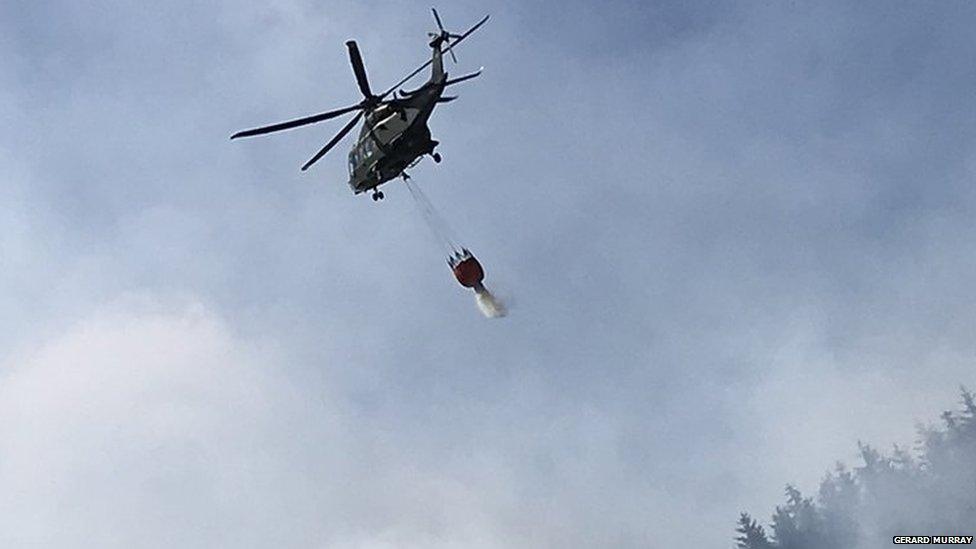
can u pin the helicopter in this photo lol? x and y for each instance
(395, 135)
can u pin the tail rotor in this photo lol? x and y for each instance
(442, 36)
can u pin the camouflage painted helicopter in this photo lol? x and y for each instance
(395, 135)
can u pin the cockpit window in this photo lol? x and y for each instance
(366, 148)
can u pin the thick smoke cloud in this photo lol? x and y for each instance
(924, 492)
(152, 424)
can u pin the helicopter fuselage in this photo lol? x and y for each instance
(394, 136)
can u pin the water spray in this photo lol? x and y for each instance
(465, 266)
(469, 273)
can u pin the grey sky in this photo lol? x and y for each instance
(737, 238)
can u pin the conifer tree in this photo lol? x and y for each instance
(751, 534)
(930, 489)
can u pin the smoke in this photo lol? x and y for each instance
(490, 306)
(927, 491)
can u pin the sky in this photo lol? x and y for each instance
(736, 238)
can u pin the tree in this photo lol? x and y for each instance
(751, 534)
(798, 524)
(933, 490)
(839, 497)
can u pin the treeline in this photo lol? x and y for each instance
(931, 491)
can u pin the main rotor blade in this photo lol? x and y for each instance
(338, 137)
(429, 61)
(469, 31)
(295, 123)
(460, 79)
(357, 67)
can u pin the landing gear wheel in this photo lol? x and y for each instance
(379, 195)
(437, 158)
